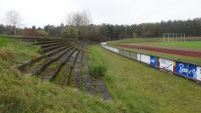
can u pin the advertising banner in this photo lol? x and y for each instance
(166, 64)
(116, 50)
(182, 68)
(138, 56)
(153, 61)
(134, 55)
(145, 59)
(192, 71)
(198, 73)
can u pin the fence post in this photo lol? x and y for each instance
(188, 70)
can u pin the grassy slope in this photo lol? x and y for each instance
(19, 94)
(30, 94)
(140, 88)
(13, 51)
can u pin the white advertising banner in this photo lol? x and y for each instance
(138, 57)
(116, 50)
(198, 73)
(145, 59)
(166, 64)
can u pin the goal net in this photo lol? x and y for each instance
(174, 37)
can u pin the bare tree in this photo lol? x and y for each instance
(79, 18)
(13, 18)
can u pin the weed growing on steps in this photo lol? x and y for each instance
(97, 68)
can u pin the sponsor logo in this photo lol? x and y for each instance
(168, 66)
(182, 69)
(153, 61)
(193, 71)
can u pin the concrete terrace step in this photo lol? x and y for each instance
(48, 54)
(69, 67)
(77, 71)
(54, 47)
(88, 85)
(53, 44)
(102, 90)
(52, 72)
(49, 61)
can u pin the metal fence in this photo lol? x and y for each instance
(185, 69)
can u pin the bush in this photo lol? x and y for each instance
(97, 70)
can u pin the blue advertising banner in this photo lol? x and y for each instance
(181, 68)
(153, 61)
(192, 71)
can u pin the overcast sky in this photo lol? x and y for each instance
(43, 12)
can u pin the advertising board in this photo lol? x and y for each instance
(153, 61)
(166, 64)
(181, 68)
(198, 73)
(192, 71)
(145, 58)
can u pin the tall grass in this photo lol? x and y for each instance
(31, 95)
(13, 51)
(19, 94)
(97, 68)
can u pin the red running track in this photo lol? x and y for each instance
(164, 50)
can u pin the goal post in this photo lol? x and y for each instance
(174, 37)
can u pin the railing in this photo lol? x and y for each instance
(188, 70)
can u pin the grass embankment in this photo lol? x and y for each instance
(140, 88)
(13, 52)
(31, 95)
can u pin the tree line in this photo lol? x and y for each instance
(79, 25)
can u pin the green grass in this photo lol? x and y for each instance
(189, 44)
(160, 39)
(19, 94)
(30, 95)
(165, 55)
(136, 40)
(96, 65)
(13, 51)
(141, 88)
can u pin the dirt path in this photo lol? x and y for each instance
(171, 50)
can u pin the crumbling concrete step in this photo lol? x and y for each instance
(49, 61)
(77, 73)
(55, 51)
(102, 90)
(70, 66)
(88, 84)
(53, 44)
(86, 78)
(53, 47)
(60, 62)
